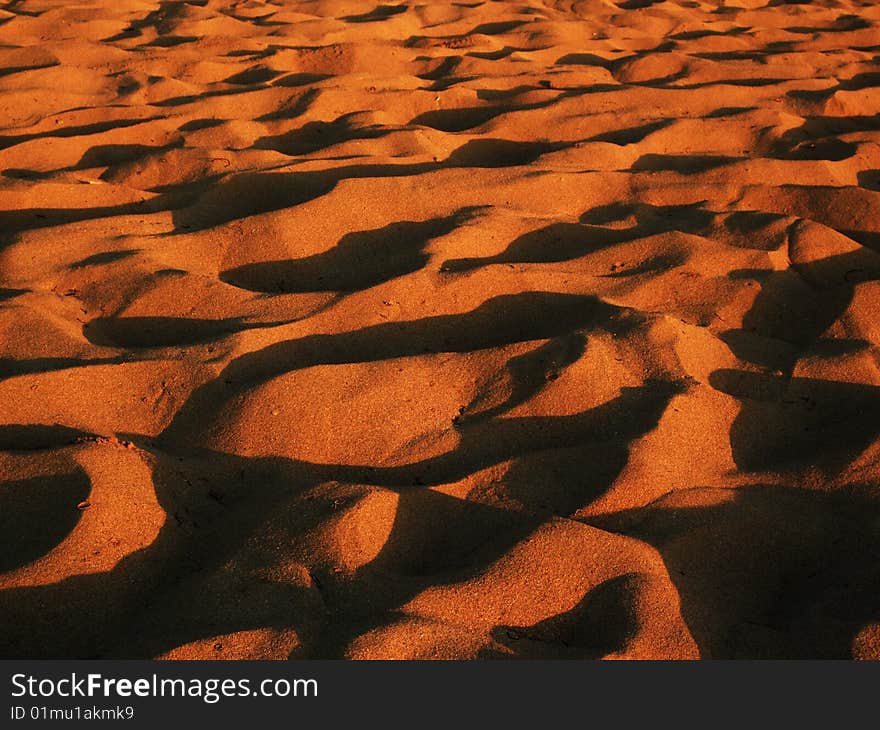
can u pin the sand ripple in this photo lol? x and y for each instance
(544, 328)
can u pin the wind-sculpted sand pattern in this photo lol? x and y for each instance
(478, 329)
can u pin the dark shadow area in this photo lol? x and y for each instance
(758, 55)
(138, 332)
(524, 376)
(10, 367)
(585, 59)
(628, 416)
(316, 136)
(380, 12)
(729, 111)
(693, 35)
(251, 194)
(9, 70)
(598, 229)
(438, 535)
(176, 101)
(870, 180)
(601, 623)
(213, 202)
(786, 423)
(252, 76)
(789, 309)
(252, 53)
(170, 41)
(638, 4)
(747, 82)
(360, 260)
(294, 107)
(196, 124)
(441, 70)
(177, 589)
(796, 306)
(651, 219)
(73, 131)
(17, 173)
(494, 55)
(37, 513)
(554, 243)
(117, 154)
(843, 123)
(662, 82)
(653, 265)
(500, 153)
(6, 294)
(162, 20)
(506, 94)
(560, 481)
(812, 141)
(37, 437)
(746, 222)
(842, 24)
(632, 135)
(864, 80)
(682, 164)
(615, 64)
(766, 572)
(459, 120)
(296, 80)
(498, 28)
(870, 240)
(106, 257)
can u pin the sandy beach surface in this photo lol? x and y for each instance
(432, 329)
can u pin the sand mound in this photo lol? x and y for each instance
(542, 329)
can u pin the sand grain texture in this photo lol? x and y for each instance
(511, 329)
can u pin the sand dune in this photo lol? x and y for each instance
(478, 329)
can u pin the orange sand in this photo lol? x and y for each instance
(527, 328)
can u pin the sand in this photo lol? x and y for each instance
(477, 329)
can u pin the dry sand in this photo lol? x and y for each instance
(536, 328)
